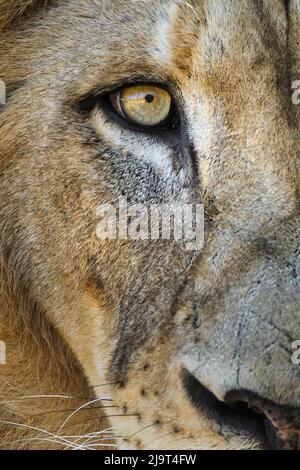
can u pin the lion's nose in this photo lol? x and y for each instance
(278, 426)
(282, 423)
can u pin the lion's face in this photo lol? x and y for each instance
(190, 343)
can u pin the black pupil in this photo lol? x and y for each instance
(149, 98)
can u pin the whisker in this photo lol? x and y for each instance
(96, 436)
(90, 435)
(43, 439)
(85, 421)
(122, 415)
(100, 417)
(101, 445)
(158, 438)
(72, 409)
(141, 430)
(97, 386)
(76, 411)
(65, 397)
(34, 428)
(96, 433)
(92, 444)
(29, 397)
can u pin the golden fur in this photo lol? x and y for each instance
(94, 330)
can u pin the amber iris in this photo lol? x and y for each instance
(143, 105)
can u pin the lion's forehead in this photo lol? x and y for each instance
(174, 37)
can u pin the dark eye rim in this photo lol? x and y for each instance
(102, 100)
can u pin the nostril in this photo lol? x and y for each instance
(235, 416)
(247, 413)
(282, 423)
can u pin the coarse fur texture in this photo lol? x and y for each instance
(159, 345)
(12, 11)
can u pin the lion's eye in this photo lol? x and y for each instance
(143, 105)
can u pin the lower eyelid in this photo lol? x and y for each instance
(114, 128)
(120, 135)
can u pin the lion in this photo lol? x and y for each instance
(145, 344)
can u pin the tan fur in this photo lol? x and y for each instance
(14, 10)
(42, 383)
(121, 321)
